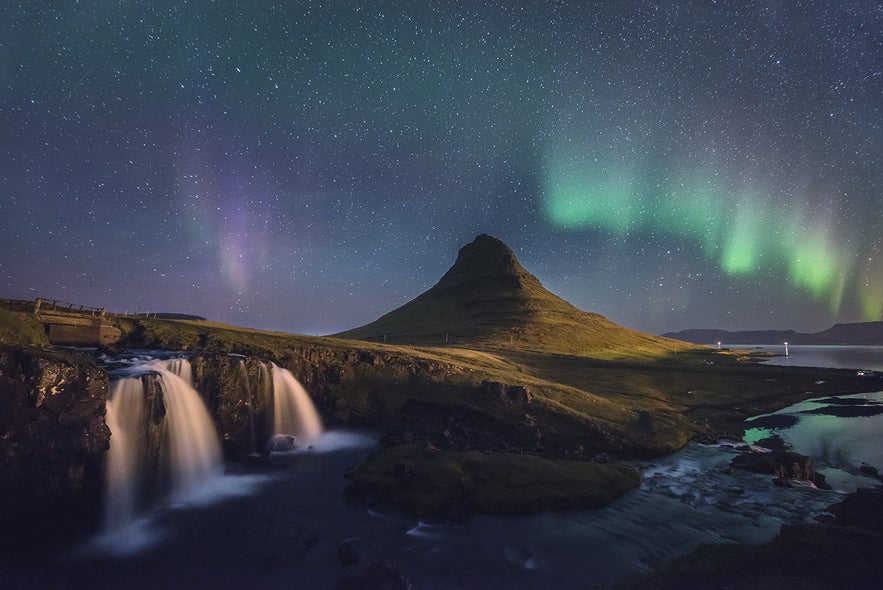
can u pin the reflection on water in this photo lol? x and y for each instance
(841, 357)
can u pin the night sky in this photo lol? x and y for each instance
(309, 166)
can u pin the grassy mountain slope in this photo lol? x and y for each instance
(487, 299)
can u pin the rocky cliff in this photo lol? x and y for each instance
(52, 442)
(350, 387)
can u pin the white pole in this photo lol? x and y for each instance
(786, 349)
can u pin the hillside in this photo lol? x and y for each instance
(851, 334)
(487, 299)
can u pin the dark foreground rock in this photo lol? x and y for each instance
(844, 553)
(382, 575)
(52, 442)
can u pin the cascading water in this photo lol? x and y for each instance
(162, 441)
(245, 391)
(180, 367)
(293, 411)
(126, 418)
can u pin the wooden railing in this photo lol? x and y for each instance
(46, 305)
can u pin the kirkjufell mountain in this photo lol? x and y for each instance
(488, 299)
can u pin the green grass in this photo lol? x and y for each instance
(20, 328)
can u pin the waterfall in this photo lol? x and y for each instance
(193, 444)
(245, 391)
(125, 418)
(181, 368)
(293, 411)
(163, 441)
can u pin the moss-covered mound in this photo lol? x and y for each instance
(430, 483)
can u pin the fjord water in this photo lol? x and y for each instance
(288, 529)
(839, 357)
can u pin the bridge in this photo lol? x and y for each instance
(68, 324)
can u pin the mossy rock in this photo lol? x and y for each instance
(430, 483)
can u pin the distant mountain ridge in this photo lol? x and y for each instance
(849, 334)
(487, 298)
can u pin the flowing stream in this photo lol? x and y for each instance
(286, 527)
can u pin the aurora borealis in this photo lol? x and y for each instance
(309, 166)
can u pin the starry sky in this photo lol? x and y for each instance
(308, 166)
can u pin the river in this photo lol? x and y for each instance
(283, 528)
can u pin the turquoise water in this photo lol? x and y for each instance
(838, 445)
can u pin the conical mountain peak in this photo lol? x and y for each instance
(486, 254)
(486, 264)
(487, 298)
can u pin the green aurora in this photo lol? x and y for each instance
(747, 232)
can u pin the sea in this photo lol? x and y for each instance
(840, 357)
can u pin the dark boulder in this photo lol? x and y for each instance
(510, 394)
(785, 465)
(347, 552)
(381, 575)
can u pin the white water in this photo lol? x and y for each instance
(125, 417)
(293, 411)
(193, 444)
(187, 451)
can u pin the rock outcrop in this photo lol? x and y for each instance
(349, 387)
(52, 441)
(237, 392)
(785, 465)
